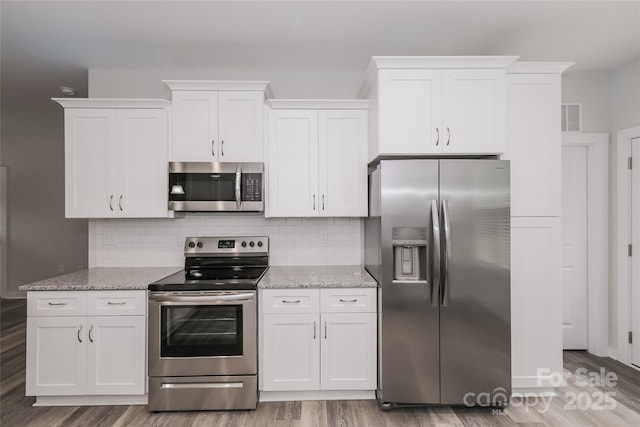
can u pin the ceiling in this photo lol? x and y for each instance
(57, 37)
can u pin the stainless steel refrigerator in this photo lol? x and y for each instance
(437, 240)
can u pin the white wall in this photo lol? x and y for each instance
(624, 84)
(147, 83)
(160, 242)
(591, 89)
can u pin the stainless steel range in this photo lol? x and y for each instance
(202, 327)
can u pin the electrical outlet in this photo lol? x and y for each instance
(323, 237)
(108, 240)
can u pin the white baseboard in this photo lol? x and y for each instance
(91, 400)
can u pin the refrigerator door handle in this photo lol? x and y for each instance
(435, 279)
(447, 253)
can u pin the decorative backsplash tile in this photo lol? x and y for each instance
(160, 242)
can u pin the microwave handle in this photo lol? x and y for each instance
(238, 180)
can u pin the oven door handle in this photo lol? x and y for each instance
(165, 297)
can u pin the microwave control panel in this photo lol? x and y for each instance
(251, 187)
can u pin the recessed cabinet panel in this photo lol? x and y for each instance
(195, 126)
(293, 163)
(142, 163)
(56, 356)
(473, 111)
(342, 151)
(90, 158)
(240, 127)
(409, 111)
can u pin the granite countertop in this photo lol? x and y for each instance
(103, 278)
(330, 276)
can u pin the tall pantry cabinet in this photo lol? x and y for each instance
(534, 149)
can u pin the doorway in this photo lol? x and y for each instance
(585, 232)
(634, 225)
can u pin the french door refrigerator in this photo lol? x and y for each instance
(437, 240)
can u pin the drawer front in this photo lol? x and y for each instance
(348, 300)
(56, 303)
(290, 301)
(117, 303)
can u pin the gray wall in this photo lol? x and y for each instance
(40, 242)
(624, 83)
(147, 83)
(591, 89)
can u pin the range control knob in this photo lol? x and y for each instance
(259, 243)
(244, 244)
(251, 243)
(199, 244)
(192, 244)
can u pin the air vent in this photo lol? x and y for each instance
(571, 118)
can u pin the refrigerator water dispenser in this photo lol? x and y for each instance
(409, 254)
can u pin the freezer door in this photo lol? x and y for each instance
(475, 332)
(408, 322)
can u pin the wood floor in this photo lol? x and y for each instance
(602, 404)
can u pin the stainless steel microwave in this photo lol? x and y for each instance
(216, 187)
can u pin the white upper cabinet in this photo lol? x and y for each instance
(437, 105)
(217, 121)
(115, 158)
(317, 162)
(533, 132)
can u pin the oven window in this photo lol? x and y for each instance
(197, 331)
(198, 187)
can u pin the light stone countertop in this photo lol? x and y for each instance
(103, 278)
(329, 276)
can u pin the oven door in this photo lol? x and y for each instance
(202, 333)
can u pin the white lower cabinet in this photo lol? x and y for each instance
(318, 339)
(88, 354)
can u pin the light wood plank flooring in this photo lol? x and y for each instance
(563, 410)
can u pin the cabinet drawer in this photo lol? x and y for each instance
(290, 301)
(57, 303)
(116, 303)
(348, 300)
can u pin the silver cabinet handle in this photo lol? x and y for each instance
(449, 132)
(323, 202)
(57, 303)
(447, 253)
(222, 147)
(120, 203)
(435, 227)
(438, 138)
(314, 330)
(291, 302)
(349, 300)
(79, 329)
(213, 141)
(116, 303)
(314, 202)
(325, 330)
(111, 203)
(238, 181)
(90, 329)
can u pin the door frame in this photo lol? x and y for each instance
(620, 283)
(597, 145)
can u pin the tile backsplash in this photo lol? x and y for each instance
(160, 242)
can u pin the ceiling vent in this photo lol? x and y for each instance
(571, 117)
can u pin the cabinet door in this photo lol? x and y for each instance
(194, 126)
(291, 352)
(533, 130)
(473, 106)
(293, 164)
(116, 355)
(240, 126)
(142, 163)
(342, 149)
(409, 108)
(348, 351)
(90, 157)
(56, 356)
